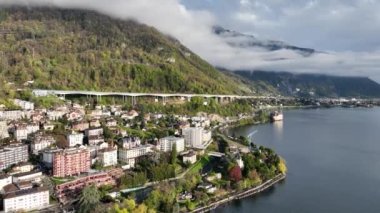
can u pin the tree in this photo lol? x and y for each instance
(89, 199)
(281, 166)
(235, 174)
(129, 204)
(173, 155)
(153, 200)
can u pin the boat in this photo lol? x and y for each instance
(276, 116)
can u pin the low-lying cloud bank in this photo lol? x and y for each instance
(194, 29)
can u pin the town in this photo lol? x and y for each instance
(54, 149)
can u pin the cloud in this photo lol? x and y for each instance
(193, 27)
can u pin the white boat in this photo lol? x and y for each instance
(276, 116)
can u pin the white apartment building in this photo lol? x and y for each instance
(25, 105)
(190, 157)
(74, 139)
(33, 128)
(14, 115)
(21, 133)
(13, 154)
(130, 142)
(193, 136)
(26, 200)
(41, 142)
(166, 144)
(5, 180)
(108, 156)
(207, 136)
(54, 115)
(129, 155)
(3, 130)
(32, 176)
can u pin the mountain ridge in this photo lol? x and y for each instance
(85, 50)
(315, 85)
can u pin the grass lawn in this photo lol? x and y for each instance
(199, 165)
(58, 181)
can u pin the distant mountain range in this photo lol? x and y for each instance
(290, 84)
(314, 85)
(241, 40)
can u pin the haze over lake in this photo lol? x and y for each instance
(333, 158)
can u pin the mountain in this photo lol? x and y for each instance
(241, 40)
(84, 50)
(306, 85)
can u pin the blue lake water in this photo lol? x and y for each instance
(333, 158)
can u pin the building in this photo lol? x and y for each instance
(94, 149)
(94, 132)
(111, 122)
(200, 121)
(31, 176)
(25, 105)
(5, 180)
(193, 136)
(190, 157)
(54, 115)
(67, 162)
(94, 136)
(95, 123)
(33, 128)
(21, 132)
(129, 155)
(94, 140)
(72, 189)
(74, 139)
(108, 156)
(207, 136)
(130, 142)
(40, 142)
(80, 126)
(47, 126)
(74, 115)
(22, 167)
(13, 115)
(3, 130)
(13, 154)
(166, 144)
(18, 199)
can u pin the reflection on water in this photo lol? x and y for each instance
(278, 128)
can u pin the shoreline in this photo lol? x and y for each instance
(234, 195)
(241, 195)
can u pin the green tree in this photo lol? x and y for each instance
(89, 199)
(173, 155)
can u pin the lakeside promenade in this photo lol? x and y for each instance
(240, 195)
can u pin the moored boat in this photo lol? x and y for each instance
(276, 116)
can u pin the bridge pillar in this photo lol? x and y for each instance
(134, 100)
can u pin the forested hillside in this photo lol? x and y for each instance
(72, 49)
(316, 85)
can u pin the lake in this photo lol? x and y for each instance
(333, 159)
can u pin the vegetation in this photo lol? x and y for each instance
(72, 49)
(196, 105)
(133, 180)
(89, 199)
(129, 205)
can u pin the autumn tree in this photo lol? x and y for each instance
(235, 174)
